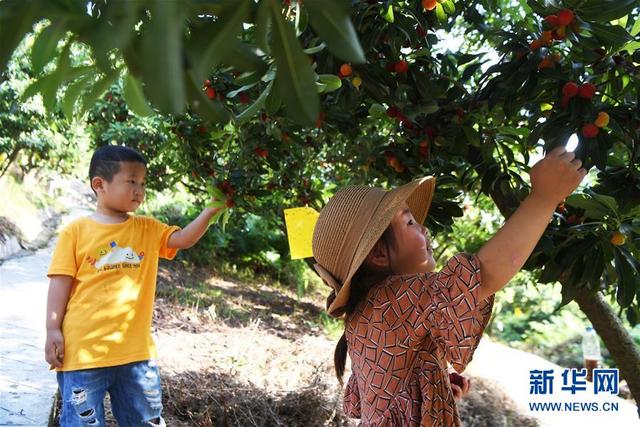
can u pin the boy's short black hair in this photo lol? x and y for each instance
(105, 161)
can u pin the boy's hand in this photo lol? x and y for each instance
(217, 204)
(557, 175)
(459, 385)
(54, 348)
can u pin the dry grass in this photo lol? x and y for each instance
(248, 355)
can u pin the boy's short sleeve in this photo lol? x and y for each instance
(63, 260)
(459, 318)
(164, 231)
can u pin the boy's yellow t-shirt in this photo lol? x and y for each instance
(108, 317)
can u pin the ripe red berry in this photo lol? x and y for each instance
(590, 130)
(345, 70)
(211, 93)
(393, 111)
(570, 89)
(565, 17)
(230, 203)
(207, 83)
(401, 67)
(587, 90)
(552, 20)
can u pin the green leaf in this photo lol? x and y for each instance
(16, 19)
(162, 59)
(72, 93)
(330, 81)
(611, 36)
(472, 135)
(440, 13)
(315, 49)
(44, 47)
(449, 7)
(215, 192)
(262, 26)
(99, 88)
(214, 219)
(605, 10)
(253, 109)
(245, 59)
(236, 92)
(636, 28)
(331, 20)
(627, 279)
(134, 96)
(112, 29)
(607, 201)
(592, 208)
(273, 103)
(221, 38)
(36, 87)
(295, 80)
(388, 16)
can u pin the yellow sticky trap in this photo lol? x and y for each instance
(300, 223)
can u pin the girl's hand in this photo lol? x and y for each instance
(557, 175)
(459, 385)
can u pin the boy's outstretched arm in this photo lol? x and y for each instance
(189, 235)
(59, 289)
(553, 178)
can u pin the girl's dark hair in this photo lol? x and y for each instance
(105, 161)
(359, 291)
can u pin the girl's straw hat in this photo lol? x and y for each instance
(352, 222)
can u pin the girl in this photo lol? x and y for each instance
(403, 322)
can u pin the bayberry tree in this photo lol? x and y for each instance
(279, 101)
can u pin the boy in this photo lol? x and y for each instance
(101, 294)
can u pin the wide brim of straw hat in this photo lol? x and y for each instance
(418, 195)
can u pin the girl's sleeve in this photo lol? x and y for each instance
(351, 402)
(458, 318)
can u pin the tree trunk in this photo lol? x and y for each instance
(618, 341)
(604, 320)
(10, 159)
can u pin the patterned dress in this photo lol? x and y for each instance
(435, 317)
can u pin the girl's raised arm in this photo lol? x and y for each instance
(553, 178)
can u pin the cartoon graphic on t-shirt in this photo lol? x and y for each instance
(118, 257)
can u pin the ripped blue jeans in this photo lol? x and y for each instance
(134, 388)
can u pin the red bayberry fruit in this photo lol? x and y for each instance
(345, 70)
(211, 93)
(587, 90)
(401, 67)
(570, 89)
(552, 20)
(590, 130)
(393, 111)
(565, 17)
